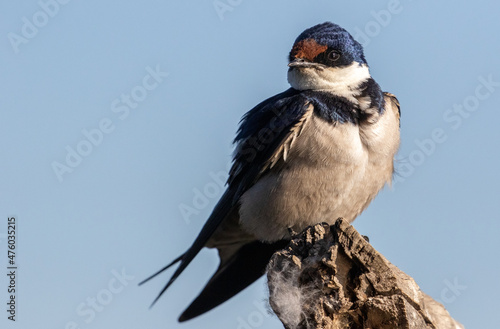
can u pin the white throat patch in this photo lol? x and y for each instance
(341, 81)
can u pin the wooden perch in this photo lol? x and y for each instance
(331, 277)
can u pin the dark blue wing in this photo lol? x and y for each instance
(262, 131)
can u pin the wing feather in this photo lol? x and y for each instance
(283, 118)
(394, 102)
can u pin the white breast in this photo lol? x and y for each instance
(331, 172)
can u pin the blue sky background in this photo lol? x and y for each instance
(118, 211)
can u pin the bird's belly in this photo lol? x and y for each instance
(329, 174)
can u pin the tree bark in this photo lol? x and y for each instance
(331, 277)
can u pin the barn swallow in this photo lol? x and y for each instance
(318, 151)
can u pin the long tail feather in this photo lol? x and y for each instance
(162, 270)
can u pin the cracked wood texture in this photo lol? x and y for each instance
(331, 277)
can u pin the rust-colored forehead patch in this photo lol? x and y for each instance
(308, 49)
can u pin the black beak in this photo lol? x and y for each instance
(300, 62)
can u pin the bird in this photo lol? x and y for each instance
(320, 150)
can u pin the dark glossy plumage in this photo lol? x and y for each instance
(265, 136)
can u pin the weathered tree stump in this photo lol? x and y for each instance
(331, 277)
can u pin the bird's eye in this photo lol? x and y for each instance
(333, 55)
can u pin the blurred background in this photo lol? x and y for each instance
(116, 126)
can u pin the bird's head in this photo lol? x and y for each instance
(326, 57)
